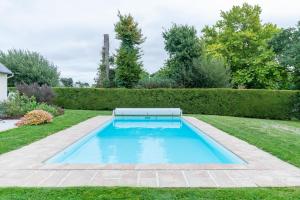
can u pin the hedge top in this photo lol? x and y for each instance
(276, 104)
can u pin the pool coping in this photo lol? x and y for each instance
(30, 160)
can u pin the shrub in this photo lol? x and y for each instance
(35, 117)
(275, 104)
(54, 110)
(42, 93)
(211, 73)
(2, 110)
(17, 105)
(156, 83)
(60, 111)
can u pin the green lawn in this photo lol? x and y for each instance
(16, 138)
(280, 138)
(148, 193)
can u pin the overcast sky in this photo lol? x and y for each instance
(70, 32)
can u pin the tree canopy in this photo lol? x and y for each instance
(187, 65)
(67, 82)
(242, 40)
(29, 67)
(286, 45)
(82, 84)
(183, 46)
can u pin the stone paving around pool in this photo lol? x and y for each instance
(26, 167)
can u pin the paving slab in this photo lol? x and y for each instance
(199, 178)
(147, 178)
(171, 178)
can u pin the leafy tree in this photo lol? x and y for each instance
(82, 84)
(211, 72)
(183, 46)
(286, 45)
(112, 79)
(144, 74)
(128, 64)
(163, 72)
(101, 77)
(67, 82)
(242, 40)
(29, 67)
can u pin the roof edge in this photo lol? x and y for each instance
(4, 70)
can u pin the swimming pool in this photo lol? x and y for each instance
(148, 140)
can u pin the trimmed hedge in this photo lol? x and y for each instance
(275, 104)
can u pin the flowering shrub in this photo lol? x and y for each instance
(35, 117)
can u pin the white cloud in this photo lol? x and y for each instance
(69, 32)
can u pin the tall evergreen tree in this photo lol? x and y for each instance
(128, 64)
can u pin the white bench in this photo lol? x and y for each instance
(147, 112)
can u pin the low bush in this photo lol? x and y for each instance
(54, 110)
(2, 110)
(18, 105)
(274, 104)
(42, 94)
(156, 83)
(35, 117)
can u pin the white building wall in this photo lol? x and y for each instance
(3, 87)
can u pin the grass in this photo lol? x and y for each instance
(16, 138)
(280, 138)
(148, 193)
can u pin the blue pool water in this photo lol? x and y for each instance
(146, 140)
